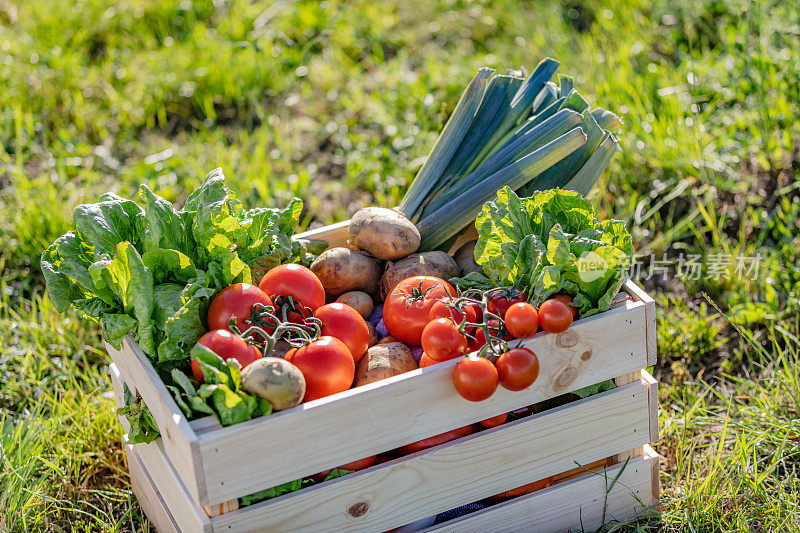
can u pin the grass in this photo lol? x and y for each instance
(345, 99)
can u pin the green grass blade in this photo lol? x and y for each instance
(456, 214)
(447, 143)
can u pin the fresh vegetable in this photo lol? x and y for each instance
(344, 323)
(295, 281)
(384, 361)
(552, 243)
(465, 259)
(151, 270)
(342, 270)
(517, 369)
(436, 440)
(475, 378)
(500, 302)
(383, 233)
(235, 300)
(567, 299)
(522, 320)
(276, 380)
(555, 316)
(530, 135)
(445, 308)
(358, 300)
(436, 264)
(373, 334)
(327, 367)
(476, 340)
(408, 305)
(227, 346)
(495, 421)
(387, 339)
(355, 466)
(442, 340)
(424, 361)
(524, 489)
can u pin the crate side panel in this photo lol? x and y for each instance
(640, 295)
(442, 478)
(573, 505)
(410, 407)
(148, 497)
(179, 439)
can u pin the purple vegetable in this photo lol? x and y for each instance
(381, 330)
(416, 351)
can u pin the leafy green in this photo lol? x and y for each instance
(143, 426)
(286, 488)
(552, 243)
(597, 388)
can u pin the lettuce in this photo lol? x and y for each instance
(149, 270)
(552, 243)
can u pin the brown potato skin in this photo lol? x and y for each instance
(275, 379)
(384, 361)
(465, 259)
(341, 270)
(358, 300)
(384, 233)
(373, 335)
(436, 263)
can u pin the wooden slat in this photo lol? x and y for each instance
(186, 514)
(650, 313)
(148, 496)
(180, 441)
(652, 387)
(409, 407)
(459, 472)
(335, 234)
(576, 505)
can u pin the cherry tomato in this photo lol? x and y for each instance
(360, 464)
(296, 281)
(517, 369)
(235, 300)
(436, 440)
(495, 420)
(425, 360)
(522, 320)
(327, 366)
(344, 323)
(228, 346)
(407, 306)
(475, 378)
(555, 316)
(567, 299)
(499, 304)
(494, 324)
(476, 340)
(443, 309)
(441, 340)
(524, 489)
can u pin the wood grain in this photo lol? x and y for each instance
(335, 234)
(409, 407)
(148, 497)
(179, 439)
(576, 505)
(444, 477)
(650, 312)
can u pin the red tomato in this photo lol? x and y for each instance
(477, 340)
(228, 346)
(475, 378)
(436, 440)
(441, 340)
(426, 361)
(327, 366)
(344, 323)
(235, 300)
(567, 299)
(517, 369)
(555, 316)
(407, 306)
(296, 281)
(387, 339)
(522, 320)
(524, 489)
(360, 464)
(499, 304)
(495, 420)
(495, 325)
(442, 309)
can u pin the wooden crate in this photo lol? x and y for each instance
(199, 464)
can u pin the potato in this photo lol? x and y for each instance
(465, 259)
(276, 380)
(435, 263)
(373, 335)
(358, 300)
(341, 270)
(384, 233)
(384, 361)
